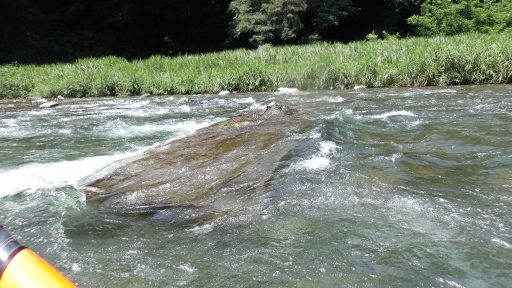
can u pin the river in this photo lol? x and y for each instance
(397, 187)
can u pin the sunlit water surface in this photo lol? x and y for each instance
(393, 188)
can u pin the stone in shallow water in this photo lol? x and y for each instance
(51, 104)
(216, 167)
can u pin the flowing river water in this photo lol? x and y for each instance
(402, 187)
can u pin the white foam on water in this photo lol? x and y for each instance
(501, 242)
(327, 147)
(49, 175)
(450, 283)
(319, 160)
(40, 112)
(415, 92)
(146, 112)
(184, 108)
(138, 104)
(340, 114)
(12, 122)
(202, 229)
(123, 130)
(315, 163)
(245, 100)
(394, 113)
(335, 99)
(187, 268)
(65, 131)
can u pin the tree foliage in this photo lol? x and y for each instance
(266, 20)
(282, 20)
(328, 13)
(446, 17)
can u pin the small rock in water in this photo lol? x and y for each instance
(290, 91)
(359, 87)
(189, 102)
(39, 100)
(183, 101)
(224, 92)
(51, 104)
(287, 91)
(60, 98)
(145, 95)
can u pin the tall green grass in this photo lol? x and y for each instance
(455, 60)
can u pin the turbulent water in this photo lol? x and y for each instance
(392, 188)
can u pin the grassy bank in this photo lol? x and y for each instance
(457, 60)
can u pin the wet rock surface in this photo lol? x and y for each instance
(51, 104)
(217, 167)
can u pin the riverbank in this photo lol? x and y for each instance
(456, 60)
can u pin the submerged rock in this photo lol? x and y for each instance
(215, 167)
(224, 92)
(188, 102)
(287, 91)
(50, 104)
(38, 100)
(290, 91)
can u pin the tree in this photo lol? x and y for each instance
(326, 13)
(266, 20)
(446, 17)
(282, 21)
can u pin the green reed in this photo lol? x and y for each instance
(456, 60)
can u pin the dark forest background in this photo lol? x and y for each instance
(48, 31)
